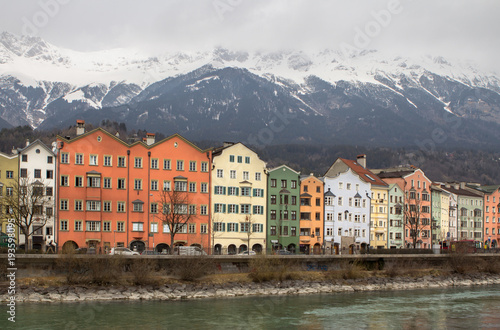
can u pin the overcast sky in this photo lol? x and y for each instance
(465, 28)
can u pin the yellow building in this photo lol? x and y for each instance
(379, 216)
(9, 173)
(239, 181)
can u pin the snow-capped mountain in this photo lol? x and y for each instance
(369, 96)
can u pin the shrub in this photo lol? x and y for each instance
(143, 271)
(264, 269)
(90, 269)
(191, 268)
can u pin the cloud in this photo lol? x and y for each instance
(456, 27)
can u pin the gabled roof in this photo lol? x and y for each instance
(487, 189)
(462, 191)
(364, 173)
(329, 193)
(305, 195)
(218, 150)
(357, 195)
(281, 166)
(99, 129)
(36, 143)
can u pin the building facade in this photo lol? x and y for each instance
(239, 203)
(112, 193)
(9, 175)
(311, 215)
(396, 228)
(491, 214)
(283, 193)
(37, 167)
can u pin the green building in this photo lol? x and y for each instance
(283, 208)
(396, 226)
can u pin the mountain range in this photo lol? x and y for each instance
(258, 97)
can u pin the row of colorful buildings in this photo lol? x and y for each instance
(102, 192)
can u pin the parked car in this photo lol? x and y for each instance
(284, 252)
(123, 251)
(247, 253)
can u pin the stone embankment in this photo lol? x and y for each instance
(200, 291)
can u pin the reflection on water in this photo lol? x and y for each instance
(470, 308)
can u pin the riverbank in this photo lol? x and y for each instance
(180, 291)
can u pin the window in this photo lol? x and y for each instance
(203, 210)
(283, 183)
(137, 207)
(219, 208)
(107, 161)
(192, 228)
(257, 176)
(273, 199)
(219, 226)
(93, 205)
(137, 226)
(247, 160)
(121, 161)
(166, 186)
(180, 165)
(24, 158)
(204, 166)
(106, 226)
(273, 230)
(154, 185)
(220, 173)
(78, 181)
(38, 174)
(245, 191)
(138, 162)
(192, 209)
(106, 183)
(257, 228)
(154, 163)
(231, 158)
(93, 226)
(273, 183)
(294, 200)
(232, 227)
(258, 192)
(204, 187)
(63, 204)
(232, 208)
(49, 174)
(48, 191)
(64, 158)
(93, 181)
(318, 202)
(273, 214)
(180, 185)
(121, 184)
(192, 186)
(245, 175)
(245, 208)
(120, 226)
(257, 209)
(192, 166)
(232, 191)
(120, 207)
(24, 173)
(167, 164)
(78, 225)
(79, 159)
(240, 159)
(138, 184)
(203, 229)
(340, 201)
(93, 160)
(219, 190)
(78, 205)
(153, 207)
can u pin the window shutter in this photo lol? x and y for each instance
(236, 227)
(223, 190)
(223, 226)
(223, 208)
(237, 211)
(255, 192)
(237, 191)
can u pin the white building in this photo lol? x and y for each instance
(37, 166)
(347, 205)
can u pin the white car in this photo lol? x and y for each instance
(123, 251)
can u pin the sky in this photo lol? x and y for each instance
(465, 29)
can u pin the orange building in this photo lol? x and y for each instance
(491, 214)
(417, 199)
(110, 191)
(311, 214)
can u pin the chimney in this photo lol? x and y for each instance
(462, 185)
(150, 138)
(27, 142)
(227, 144)
(80, 127)
(361, 159)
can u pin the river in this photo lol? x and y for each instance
(455, 308)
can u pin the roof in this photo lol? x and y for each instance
(281, 166)
(35, 143)
(487, 189)
(329, 193)
(305, 195)
(364, 173)
(462, 191)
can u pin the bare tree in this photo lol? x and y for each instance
(27, 205)
(174, 211)
(214, 230)
(249, 222)
(412, 212)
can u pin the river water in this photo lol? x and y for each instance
(456, 308)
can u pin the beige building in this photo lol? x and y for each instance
(239, 181)
(9, 175)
